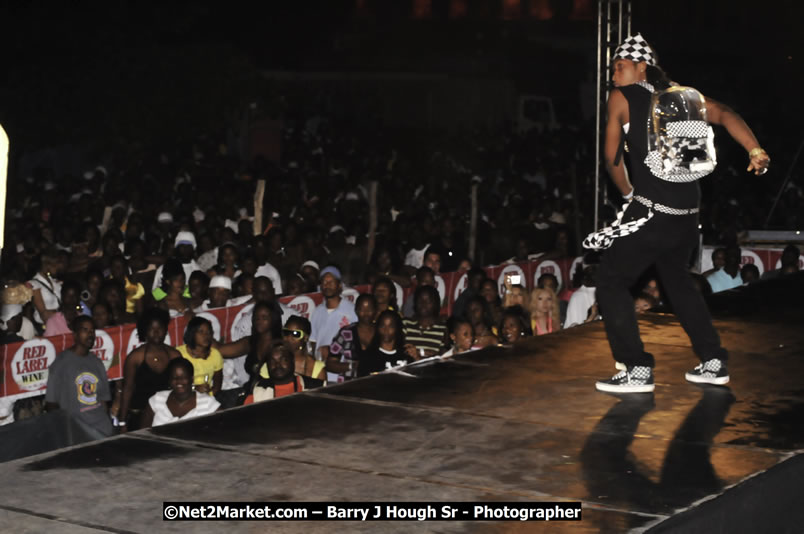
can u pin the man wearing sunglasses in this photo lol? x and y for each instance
(331, 315)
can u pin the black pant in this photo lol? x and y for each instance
(667, 241)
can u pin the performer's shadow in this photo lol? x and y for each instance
(613, 476)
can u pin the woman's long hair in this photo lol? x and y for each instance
(252, 358)
(555, 310)
(399, 341)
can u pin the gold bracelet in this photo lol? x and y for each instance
(756, 152)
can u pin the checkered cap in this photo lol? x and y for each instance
(637, 49)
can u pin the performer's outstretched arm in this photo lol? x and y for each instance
(617, 117)
(723, 115)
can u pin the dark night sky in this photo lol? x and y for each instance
(78, 69)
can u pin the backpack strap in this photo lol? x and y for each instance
(604, 238)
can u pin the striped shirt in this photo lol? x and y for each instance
(424, 338)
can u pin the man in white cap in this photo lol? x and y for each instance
(185, 245)
(220, 289)
(332, 314)
(164, 220)
(661, 226)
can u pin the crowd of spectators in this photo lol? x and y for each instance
(160, 233)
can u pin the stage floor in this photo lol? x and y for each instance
(521, 424)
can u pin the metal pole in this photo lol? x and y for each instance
(628, 17)
(604, 196)
(615, 24)
(597, 111)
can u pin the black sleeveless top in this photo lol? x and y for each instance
(146, 383)
(675, 195)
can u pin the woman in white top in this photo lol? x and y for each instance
(181, 401)
(46, 289)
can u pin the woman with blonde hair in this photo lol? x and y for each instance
(545, 314)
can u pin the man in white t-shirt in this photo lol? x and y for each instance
(728, 276)
(415, 256)
(332, 314)
(582, 300)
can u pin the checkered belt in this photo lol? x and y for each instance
(661, 208)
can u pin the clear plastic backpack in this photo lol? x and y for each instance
(681, 143)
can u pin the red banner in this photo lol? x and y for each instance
(25, 364)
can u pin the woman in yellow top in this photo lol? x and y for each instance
(118, 269)
(207, 360)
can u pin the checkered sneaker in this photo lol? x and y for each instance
(709, 372)
(637, 379)
(637, 49)
(603, 238)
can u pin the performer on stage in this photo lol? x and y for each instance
(660, 224)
